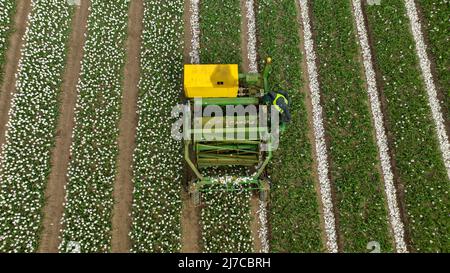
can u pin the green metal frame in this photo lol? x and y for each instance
(243, 148)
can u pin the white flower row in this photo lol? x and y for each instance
(319, 132)
(251, 35)
(377, 114)
(263, 226)
(425, 66)
(195, 31)
(25, 161)
(92, 169)
(158, 162)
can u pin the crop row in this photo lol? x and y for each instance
(225, 218)
(436, 17)
(397, 226)
(7, 9)
(25, 162)
(92, 169)
(252, 56)
(220, 31)
(353, 154)
(226, 222)
(415, 149)
(158, 157)
(294, 211)
(430, 86)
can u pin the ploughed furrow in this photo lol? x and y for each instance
(354, 166)
(190, 224)
(294, 215)
(25, 161)
(415, 148)
(158, 161)
(92, 168)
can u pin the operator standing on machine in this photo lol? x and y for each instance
(280, 100)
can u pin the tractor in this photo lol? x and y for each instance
(227, 140)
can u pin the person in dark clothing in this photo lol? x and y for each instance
(280, 101)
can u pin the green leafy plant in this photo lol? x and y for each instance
(415, 149)
(92, 168)
(158, 157)
(293, 209)
(25, 162)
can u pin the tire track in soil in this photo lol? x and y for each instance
(123, 188)
(55, 191)
(190, 215)
(13, 54)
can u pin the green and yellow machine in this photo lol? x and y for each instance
(222, 85)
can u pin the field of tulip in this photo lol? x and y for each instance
(225, 222)
(365, 158)
(25, 160)
(91, 174)
(7, 8)
(158, 158)
(293, 195)
(353, 154)
(220, 31)
(419, 164)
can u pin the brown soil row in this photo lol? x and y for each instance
(123, 189)
(190, 215)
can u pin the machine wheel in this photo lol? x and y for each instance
(196, 197)
(264, 193)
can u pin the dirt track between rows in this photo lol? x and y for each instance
(123, 189)
(55, 191)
